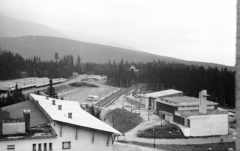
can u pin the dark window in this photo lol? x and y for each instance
(50, 146)
(188, 123)
(39, 147)
(66, 145)
(178, 119)
(45, 146)
(34, 147)
(10, 147)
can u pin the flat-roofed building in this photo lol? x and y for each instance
(52, 124)
(195, 116)
(152, 98)
(194, 123)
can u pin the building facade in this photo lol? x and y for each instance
(152, 98)
(62, 125)
(195, 116)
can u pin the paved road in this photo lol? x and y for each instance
(116, 95)
(130, 147)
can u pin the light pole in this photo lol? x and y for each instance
(131, 105)
(160, 116)
(122, 102)
(140, 102)
(154, 138)
(148, 114)
(112, 121)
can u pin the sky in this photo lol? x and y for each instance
(195, 30)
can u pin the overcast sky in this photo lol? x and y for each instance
(198, 30)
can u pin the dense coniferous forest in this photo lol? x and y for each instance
(158, 75)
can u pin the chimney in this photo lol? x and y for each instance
(59, 107)
(70, 115)
(203, 101)
(53, 102)
(47, 97)
(26, 115)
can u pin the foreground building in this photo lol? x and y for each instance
(46, 124)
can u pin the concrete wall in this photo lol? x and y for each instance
(208, 125)
(83, 141)
(13, 128)
(193, 108)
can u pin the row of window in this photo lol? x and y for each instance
(44, 147)
(65, 145)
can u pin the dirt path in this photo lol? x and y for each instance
(130, 147)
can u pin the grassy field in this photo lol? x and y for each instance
(166, 131)
(123, 120)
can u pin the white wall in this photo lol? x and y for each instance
(207, 125)
(84, 141)
(13, 128)
(186, 108)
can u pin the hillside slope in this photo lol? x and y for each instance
(12, 27)
(45, 47)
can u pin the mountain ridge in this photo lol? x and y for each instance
(45, 47)
(13, 27)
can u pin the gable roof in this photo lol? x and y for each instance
(162, 93)
(16, 111)
(79, 116)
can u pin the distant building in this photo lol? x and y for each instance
(75, 74)
(27, 83)
(133, 68)
(47, 124)
(24, 74)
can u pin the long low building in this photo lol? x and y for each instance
(152, 98)
(28, 83)
(44, 123)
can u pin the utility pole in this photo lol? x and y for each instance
(112, 121)
(148, 113)
(154, 137)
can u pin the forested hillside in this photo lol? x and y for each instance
(45, 47)
(188, 78)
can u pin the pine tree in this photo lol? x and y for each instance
(51, 91)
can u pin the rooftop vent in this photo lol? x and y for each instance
(26, 115)
(70, 115)
(53, 102)
(47, 97)
(59, 107)
(203, 101)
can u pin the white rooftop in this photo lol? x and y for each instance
(79, 116)
(162, 93)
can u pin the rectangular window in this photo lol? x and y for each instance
(50, 146)
(39, 147)
(66, 145)
(188, 123)
(45, 147)
(10, 147)
(34, 147)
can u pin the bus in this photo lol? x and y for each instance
(92, 98)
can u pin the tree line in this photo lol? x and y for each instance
(157, 75)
